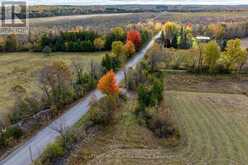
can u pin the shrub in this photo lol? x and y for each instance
(25, 107)
(135, 77)
(47, 50)
(161, 128)
(8, 136)
(102, 111)
(52, 152)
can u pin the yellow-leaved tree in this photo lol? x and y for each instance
(234, 56)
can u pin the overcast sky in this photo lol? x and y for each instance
(112, 2)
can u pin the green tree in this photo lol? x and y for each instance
(99, 43)
(117, 48)
(119, 33)
(211, 55)
(11, 43)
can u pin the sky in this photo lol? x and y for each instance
(113, 2)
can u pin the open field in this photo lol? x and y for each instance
(244, 42)
(105, 22)
(232, 84)
(102, 23)
(213, 128)
(23, 69)
(204, 17)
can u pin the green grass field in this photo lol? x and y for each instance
(213, 130)
(23, 69)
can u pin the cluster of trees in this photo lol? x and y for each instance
(231, 59)
(147, 80)
(176, 36)
(224, 30)
(101, 112)
(88, 41)
(61, 85)
(122, 51)
(77, 40)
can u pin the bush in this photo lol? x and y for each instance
(47, 50)
(52, 152)
(102, 111)
(161, 128)
(100, 116)
(135, 77)
(7, 137)
(25, 107)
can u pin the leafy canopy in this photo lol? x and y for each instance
(108, 84)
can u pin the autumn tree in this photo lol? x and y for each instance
(157, 26)
(129, 48)
(99, 43)
(170, 29)
(211, 55)
(216, 31)
(117, 48)
(108, 84)
(56, 80)
(2, 43)
(234, 56)
(119, 33)
(135, 37)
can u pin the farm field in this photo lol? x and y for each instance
(23, 69)
(204, 17)
(105, 22)
(213, 128)
(102, 23)
(244, 42)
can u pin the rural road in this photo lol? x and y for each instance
(34, 147)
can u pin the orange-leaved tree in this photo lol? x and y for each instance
(108, 84)
(129, 48)
(135, 37)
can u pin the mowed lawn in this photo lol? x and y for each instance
(214, 128)
(23, 69)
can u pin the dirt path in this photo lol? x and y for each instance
(214, 131)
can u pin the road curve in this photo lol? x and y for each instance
(34, 147)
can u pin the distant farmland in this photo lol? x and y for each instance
(100, 23)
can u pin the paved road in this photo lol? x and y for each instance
(36, 145)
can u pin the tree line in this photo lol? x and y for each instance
(70, 41)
